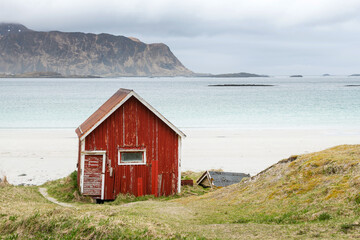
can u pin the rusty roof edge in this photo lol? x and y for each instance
(79, 127)
(95, 125)
(77, 131)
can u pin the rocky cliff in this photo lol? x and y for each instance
(75, 53)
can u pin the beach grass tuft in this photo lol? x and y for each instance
(4, 181)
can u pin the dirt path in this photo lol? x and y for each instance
(43, 192)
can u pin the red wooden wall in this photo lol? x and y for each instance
(131, 126)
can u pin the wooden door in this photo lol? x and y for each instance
(93, 175)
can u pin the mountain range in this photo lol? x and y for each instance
(23, 50)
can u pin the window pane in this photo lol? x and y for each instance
(132, 157)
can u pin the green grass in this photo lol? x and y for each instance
(190, 175)
(312, 196)
(127, 198)
(66, 189)
(294, 191)
(50, 224)
(185, 192)
(26, 214)
(324, 216)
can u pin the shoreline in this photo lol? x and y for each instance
(47, 154)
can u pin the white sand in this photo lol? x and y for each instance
(50, 154)
(251, 150)
(40, 154)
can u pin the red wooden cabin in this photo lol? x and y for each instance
(126, 146)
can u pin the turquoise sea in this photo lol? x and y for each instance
(319, 102)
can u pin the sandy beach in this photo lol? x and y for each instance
(34, 156)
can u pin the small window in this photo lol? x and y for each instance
(132, 157)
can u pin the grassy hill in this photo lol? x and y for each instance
(306, 196)
(299, 189)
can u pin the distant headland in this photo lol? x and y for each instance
(83, 54)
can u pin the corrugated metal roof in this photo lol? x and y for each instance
(102, 111)
(221, 179)
(113, 103)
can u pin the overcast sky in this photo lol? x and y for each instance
(276, 37)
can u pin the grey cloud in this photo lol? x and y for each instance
(265, 36)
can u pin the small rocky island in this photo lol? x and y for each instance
(235, 75)
(240, 85)
(296, 76)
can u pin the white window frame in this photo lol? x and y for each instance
(132, 150)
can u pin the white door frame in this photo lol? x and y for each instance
(83, 154)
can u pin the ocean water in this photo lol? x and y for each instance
(319, 102)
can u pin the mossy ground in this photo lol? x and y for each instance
(313, 196)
